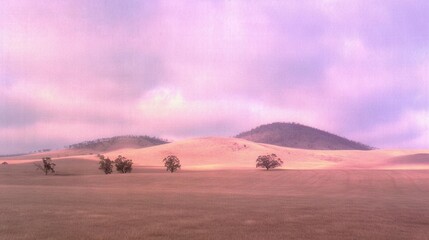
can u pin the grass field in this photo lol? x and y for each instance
(83, 203)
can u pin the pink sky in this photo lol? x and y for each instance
(78, 70)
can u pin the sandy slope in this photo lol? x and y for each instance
(216, 153)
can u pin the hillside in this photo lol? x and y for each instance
(234, 153)
(118, 142)
(300, 136)
(219, 153)
(229, 153)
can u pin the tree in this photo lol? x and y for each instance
(268, 161)
(46, 166)
(172, 163)
(123, 165)
(105, 164)
(4, 163)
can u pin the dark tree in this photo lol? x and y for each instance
(4, 163)
(46, 166)
(123, 165)
(268, 161)
(172, 163)
(105, 164)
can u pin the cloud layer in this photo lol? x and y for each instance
(77, 70)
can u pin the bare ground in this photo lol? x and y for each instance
(150, 203)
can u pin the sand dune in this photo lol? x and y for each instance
(223, 153)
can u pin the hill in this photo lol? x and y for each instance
(300, 136)
(218, 153)
(92, 147)
(118, 142)
(233, 153)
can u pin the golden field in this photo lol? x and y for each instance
(219, 194)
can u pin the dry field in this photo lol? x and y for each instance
(82, 203)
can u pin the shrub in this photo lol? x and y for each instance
(46, 166)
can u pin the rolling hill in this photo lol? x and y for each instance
(92, 147)
(117, 142)
(295, 135)
(229, 153)
(235, 153)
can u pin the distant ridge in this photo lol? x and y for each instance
(296, 135)
(118, 142)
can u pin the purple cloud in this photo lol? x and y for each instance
(75, 70)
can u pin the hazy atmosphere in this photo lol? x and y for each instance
(78, 70)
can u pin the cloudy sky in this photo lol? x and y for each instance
(78, 70)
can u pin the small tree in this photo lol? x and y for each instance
(4, 163)
(105, 164)
(172, 163)
(123, 165)
(46, 166)
(268, 161)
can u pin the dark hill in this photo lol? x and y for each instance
(300, 136)
(118, 142)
